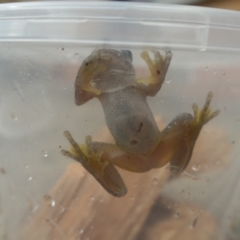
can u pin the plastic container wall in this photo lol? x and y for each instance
(47, 196)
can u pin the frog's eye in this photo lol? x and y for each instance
(127, 54)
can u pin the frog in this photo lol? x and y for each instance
(109, 76)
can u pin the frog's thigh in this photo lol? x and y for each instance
(173, 147)
(125, 160)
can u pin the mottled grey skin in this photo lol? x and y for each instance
(130, 120)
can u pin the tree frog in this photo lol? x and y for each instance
(109, 75)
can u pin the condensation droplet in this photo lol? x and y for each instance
(81, 231)
(155, 181)
(196, 167)
(26, 166)
(45, 154)
(229, 80)
(62, 209)
(76, 55)
(168, 80)
(30, 178)
(135, 185)
(193, 223)
(206, 68)
(14, 116)
(101, 200)
(91, 199)
(49, 200)
(177, 214)
(2, 170)
(132, 198)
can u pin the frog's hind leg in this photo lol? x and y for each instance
(179, 137)
(193, 128)
(103, 171)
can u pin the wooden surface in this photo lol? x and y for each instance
(79, 208)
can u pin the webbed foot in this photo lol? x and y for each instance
(193, 126)
(201, 116)
(103, 171)
(158, 66)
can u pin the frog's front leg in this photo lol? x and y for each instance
(93, 161)
(91, 66)
(158, 69)
(179, 137)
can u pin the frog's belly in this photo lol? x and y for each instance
(130, 121)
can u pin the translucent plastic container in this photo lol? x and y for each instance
(45, 195)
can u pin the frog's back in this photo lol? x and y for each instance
(130, 120)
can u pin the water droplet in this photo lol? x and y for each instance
(218, 162)
(81, 231)
(229, 80)
(196, 167)
(101, 200)
(206, 68)
(62, 209)
(155, 181)
(45, 153)
(193, 223)
(135, 185)
(76, 55)
(26, 166)
(91, 199)
(14, 116)
(177, 214)
(168, 80)
(132, 198)
(49, 200)
(2, 170)
(30, 178)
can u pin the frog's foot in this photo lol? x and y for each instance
(191, 126)
(103, 171)
(158, 67)
(201, 116)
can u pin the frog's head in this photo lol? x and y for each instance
(104, 71)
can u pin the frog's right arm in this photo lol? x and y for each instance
(158, 69)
